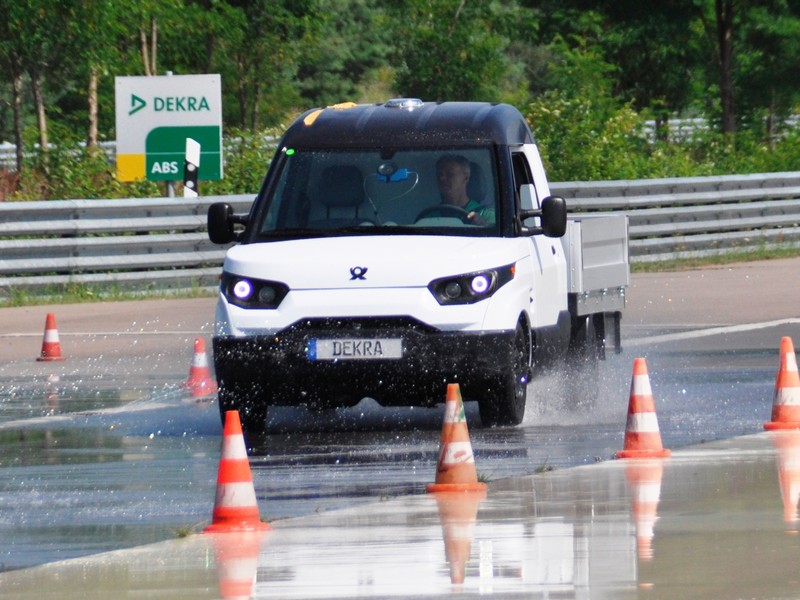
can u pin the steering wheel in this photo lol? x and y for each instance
(445, 210)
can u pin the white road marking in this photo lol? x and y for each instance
(700, 333)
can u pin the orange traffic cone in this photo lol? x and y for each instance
(644, 482)
(200, 382)
(51, 346)
(236, 555)
(457, 514)
(455, 471)
(788, 445)
(642, 436)
(235, 508)
(786, 400)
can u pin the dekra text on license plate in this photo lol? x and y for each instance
(354, 348)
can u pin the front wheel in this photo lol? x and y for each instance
(504, 404)
(252, 413)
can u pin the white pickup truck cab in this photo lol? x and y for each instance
(351, 278)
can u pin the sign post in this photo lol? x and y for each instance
(191, 165)
(156, 115)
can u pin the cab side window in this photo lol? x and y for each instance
(525, 192)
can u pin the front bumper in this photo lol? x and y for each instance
(277, 369)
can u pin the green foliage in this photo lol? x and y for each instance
(75, 172)
(258, 58)
(586, 72)
(76, 293)
(448, 50)
(576, 146)
(344, 51)
(585, 133)
(728, 257)
(649, 44)
(767, 69)
(247, 158)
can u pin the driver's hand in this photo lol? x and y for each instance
(474, 218)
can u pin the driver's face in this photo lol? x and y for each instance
(452, 183)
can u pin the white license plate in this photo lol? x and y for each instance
(355, 348)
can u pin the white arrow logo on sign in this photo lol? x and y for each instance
(137, 104)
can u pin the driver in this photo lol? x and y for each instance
(452, 173)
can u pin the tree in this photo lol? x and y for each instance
(33, 45)
(11, 60)
(96, 26)
(350, 43)
(724, 17)
(448, 50)
(718, 18)
(46, 44)
(649, 45)
(768, 68)
(259, 59)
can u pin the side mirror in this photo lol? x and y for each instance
(221, 221)
(552, 218)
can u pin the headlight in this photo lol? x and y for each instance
(246, 292)
(480, 284)
(470, 287)
(242, 290)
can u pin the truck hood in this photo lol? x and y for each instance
(371, 261)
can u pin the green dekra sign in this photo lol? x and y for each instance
(154, 117)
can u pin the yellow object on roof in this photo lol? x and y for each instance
(312, 116)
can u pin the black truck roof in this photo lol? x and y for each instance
(408, 122)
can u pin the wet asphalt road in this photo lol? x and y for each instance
(106, 450)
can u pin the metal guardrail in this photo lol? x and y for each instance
(688, 130)
(8, 154)
(127, 244)
(161, 243)
(697, 216)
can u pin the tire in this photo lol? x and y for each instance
(504, 404)
(252, 414)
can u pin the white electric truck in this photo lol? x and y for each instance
(352, 278)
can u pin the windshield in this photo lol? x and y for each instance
(323, 192)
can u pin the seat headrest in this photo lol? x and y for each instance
(341, 186)
(476, 186)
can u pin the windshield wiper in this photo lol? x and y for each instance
(295, 233)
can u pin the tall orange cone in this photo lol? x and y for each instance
(786, 400)
(644, 482)
(51, 346)
(457, 514)
(200, 382)
(235, 508)
(642, 435)
(788, 445)
(236, 555)
(455, 471)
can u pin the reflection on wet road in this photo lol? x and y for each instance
(715, 522)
